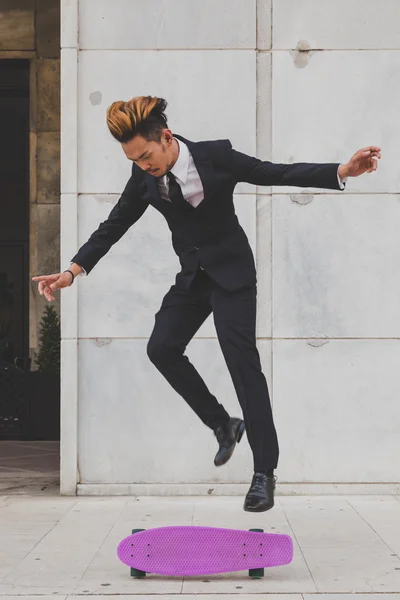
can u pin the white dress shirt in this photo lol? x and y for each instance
(186, 175)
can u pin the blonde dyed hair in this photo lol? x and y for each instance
(143, 115)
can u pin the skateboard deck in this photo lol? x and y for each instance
(190, 550)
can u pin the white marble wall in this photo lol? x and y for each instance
(335, 256)
(327, 261)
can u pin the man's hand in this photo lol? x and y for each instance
(49, 283)
(363, 161)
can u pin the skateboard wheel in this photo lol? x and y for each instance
(137, 573)
(256, 573)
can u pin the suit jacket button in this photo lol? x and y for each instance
(196, 248)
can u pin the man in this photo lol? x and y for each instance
(192, 185)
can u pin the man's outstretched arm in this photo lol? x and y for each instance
(125, 213)
(318, 175)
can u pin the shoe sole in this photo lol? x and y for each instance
(242, 429)
(255, 510)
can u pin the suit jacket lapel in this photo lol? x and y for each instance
(204, 167)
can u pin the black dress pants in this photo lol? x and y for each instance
(181, 315)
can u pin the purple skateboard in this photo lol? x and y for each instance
(182, 551)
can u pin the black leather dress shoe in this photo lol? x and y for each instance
(260, 496)
(227, 436)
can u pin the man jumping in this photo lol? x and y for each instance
(192, 185)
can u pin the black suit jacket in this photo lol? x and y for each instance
(210, 234)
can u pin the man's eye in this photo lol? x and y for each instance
(145, 157)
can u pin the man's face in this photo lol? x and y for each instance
(155, 158)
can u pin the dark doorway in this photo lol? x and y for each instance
(14, 209)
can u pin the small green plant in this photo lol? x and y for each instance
(48, 356)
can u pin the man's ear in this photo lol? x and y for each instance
(168, 135)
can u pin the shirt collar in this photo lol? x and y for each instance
(181, 167)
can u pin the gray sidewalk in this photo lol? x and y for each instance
(51, 545)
